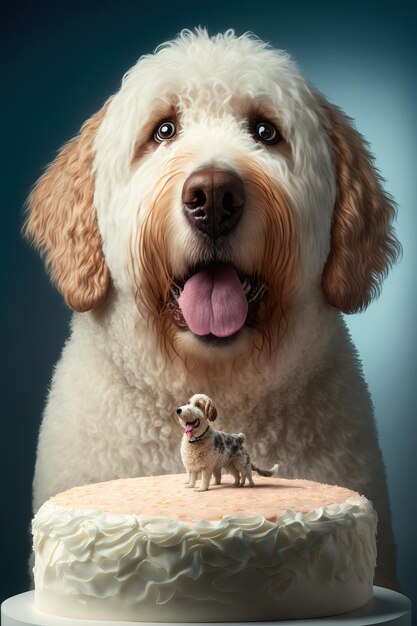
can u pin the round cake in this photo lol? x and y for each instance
(149, 549)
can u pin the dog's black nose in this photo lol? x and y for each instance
(213, 201)
(179, 410)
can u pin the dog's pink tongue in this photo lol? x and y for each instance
(188, 430)
(213, 301)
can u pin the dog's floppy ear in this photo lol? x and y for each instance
(206, 404)
(61, 221)
(209, 409)
(363, 243)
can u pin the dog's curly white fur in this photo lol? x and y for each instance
(207, 451)
(314, 239)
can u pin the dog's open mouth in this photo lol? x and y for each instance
(216, 301)
(189, 427)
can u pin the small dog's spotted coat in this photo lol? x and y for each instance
(206, 450)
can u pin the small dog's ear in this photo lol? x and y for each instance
(61, 222)
(363, 243)
(210, 410)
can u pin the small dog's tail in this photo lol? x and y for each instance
(269, 473)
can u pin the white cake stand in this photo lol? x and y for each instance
(386, 607)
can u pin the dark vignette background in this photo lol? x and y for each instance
(60, 62)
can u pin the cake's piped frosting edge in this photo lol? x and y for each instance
(95, 553)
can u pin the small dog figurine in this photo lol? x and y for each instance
(206, 450)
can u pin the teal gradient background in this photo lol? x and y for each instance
(61, 61)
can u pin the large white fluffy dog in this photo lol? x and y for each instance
(208, 226)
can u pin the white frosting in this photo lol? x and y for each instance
(93, 564)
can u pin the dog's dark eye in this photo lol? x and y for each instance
(164, 131)
(267, 133)
(198, 405)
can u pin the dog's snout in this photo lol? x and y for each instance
(213, 201)
(179, 410)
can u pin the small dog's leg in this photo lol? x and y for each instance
(233, 471)
(205, 480)
(240, 473)
(192, 480)
(248, 472)
(217, 473)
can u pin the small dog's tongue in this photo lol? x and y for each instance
(189, 430)
(213, 301)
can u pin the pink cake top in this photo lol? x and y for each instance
(167, 496)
